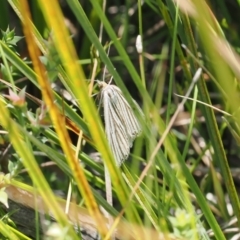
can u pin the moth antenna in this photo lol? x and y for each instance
(110, 80)
(105, 68)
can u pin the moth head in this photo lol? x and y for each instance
(101, 84)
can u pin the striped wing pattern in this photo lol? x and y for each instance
(121, 125)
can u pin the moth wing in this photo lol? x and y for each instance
(115, 130)
(126, 114)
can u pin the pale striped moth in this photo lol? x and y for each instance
(121, 125)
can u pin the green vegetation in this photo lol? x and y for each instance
(180, 179)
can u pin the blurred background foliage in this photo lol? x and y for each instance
(192, 185)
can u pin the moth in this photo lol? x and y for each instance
(121, 125)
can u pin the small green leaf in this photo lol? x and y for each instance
(4, 197)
